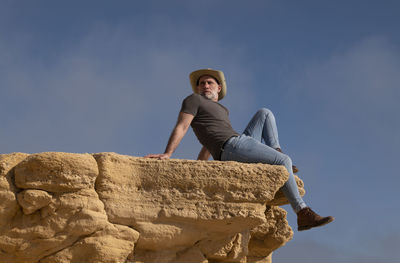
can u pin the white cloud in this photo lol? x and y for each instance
(364, 77)
(355, 91)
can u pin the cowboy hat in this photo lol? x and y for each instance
(217, 74)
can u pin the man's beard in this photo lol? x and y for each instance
(210, 95)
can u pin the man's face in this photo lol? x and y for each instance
(208, 87)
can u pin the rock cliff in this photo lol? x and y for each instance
(64, 207)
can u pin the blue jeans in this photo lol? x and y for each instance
(257, 144)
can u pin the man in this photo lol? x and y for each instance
(258, 144)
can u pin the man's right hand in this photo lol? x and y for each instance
(181, 127)
(160, 156)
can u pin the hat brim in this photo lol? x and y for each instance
(219, 75)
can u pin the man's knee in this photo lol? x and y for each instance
(285, 160)
(265, 111)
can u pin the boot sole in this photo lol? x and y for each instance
(322, 223)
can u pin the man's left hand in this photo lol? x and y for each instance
(160, 156)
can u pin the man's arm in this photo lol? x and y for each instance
(181, 127)
(204, 154)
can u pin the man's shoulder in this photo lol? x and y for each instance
(193, 95)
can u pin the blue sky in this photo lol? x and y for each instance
(100, 76)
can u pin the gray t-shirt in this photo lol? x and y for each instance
(210, 124)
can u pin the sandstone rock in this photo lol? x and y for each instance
(8, 201)
(32, 200)
(269, 236)
(142, 183)
(69, 219)
(191, 255)
(113, 244)
(56, 172)
(232, 248)
(113, 208)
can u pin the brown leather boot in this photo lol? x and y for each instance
(294, 168)
(307, 218)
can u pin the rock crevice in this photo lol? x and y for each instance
(106, 207)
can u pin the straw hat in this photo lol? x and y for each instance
(217, 74)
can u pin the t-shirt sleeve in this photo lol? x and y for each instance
(190, 104)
